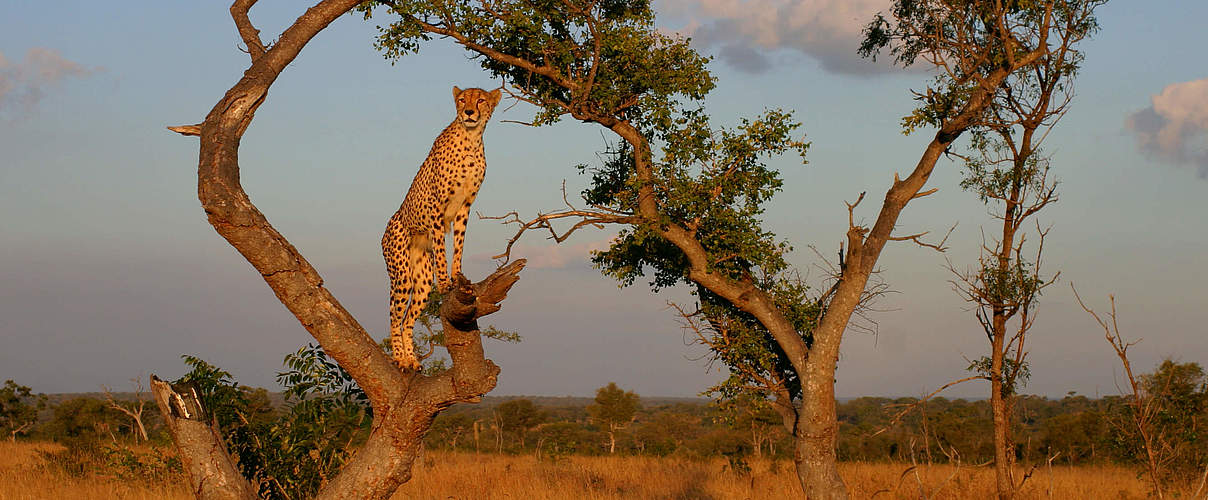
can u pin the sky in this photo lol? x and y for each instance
(109, 270)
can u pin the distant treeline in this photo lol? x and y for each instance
(1071, 430)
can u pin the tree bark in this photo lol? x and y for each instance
(212, 473)
(404, 404)
(1003, 451)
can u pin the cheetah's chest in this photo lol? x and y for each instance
(464, 176)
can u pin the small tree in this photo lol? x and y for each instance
(1009, 172)
(519, 416)
(82, 419)
(614, 409)
(19, 408)
(133, 409)
(1180, 393)
(756, 417)
(449, 428)
(1142, 408)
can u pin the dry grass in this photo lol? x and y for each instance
(25, 475)
(443, 475)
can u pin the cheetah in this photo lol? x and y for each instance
(441, 193)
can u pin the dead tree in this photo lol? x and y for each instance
(134, 411)
(404, 404)
(1144, 406)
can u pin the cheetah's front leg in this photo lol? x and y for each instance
(459, 234)
(442, 275)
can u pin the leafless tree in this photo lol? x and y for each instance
(404, 404)
(133, 410)
(1144, 407)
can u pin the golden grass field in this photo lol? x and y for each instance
(444, 475)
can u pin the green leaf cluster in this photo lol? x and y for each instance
(288, 452)
(605, 61)
(637, 73)
(970, 39)
(19, 407)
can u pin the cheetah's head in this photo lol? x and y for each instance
(474, 106)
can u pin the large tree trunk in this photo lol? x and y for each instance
(404, 404)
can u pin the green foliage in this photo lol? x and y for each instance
(517, 417)
(637, 72)
(288, 453)
(713, 182)
(607, 62)
(1014, 374)
(448, 429)
(748, 348)
(19, 408)
(1180, 394)
(221, 395)
(559, 439)
(91, 458)
(614, 407)
(971, 39)
(128, 464)
(667, 431)
(83, 419)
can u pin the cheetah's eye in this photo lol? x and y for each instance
(481, 100)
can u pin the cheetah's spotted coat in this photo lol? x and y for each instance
(441, 194)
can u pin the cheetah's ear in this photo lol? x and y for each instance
(456, 92)
(496, 95)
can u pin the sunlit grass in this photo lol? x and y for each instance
(24, 474)
(446, 475)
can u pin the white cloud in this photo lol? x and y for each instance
(23, 84)
(829, 31)
(1174, 128)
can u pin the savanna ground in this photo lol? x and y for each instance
(26, 472)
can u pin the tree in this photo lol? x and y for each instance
(83, 419)
(1142, 408)
(448, 429)
(666, 431)
(404, 404)
(519, 416)
(614, 409)
(1009, 172)
(755, 416)
(691, 215)
(133, 409)
(19, 408)
(1180, 394)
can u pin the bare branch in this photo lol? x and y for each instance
(249, 33)
(939, 247)
(910, 407)
(187, 129)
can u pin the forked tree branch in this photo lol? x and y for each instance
(404, 405)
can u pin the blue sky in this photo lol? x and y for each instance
(108, 269)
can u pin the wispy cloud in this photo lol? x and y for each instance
(554, 255)
(748, 32)
(1174, 128)
(24, 84)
